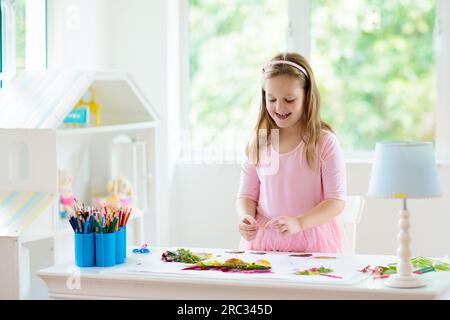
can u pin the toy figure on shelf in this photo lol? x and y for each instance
(81, 112)
(119, 191)
(66, 195)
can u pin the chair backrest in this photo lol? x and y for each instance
(351, 216)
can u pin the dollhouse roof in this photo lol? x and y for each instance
(42, 99)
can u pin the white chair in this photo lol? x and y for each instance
(351, 216)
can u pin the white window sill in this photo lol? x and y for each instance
(198, 157)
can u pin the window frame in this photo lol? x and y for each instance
(7, 39)
(8, 44)
(37, 26)
(300, 41)
(442, 47)
(2, 37)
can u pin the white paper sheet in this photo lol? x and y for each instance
(283, 267)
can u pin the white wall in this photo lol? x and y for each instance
(129, 36)
(205, 216)
(112, 34)
(139, 42)
(78, 34)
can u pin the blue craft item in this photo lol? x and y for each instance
(84, 250)
(105, 249)
(142, 249)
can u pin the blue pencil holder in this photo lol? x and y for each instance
(121, 245)
(84, 249)
(105, 249)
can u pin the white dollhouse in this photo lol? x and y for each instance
(35, 145)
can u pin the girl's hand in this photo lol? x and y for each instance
(285, 225)
(248, 227)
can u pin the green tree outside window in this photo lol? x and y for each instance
(374, 61)
(229, 41)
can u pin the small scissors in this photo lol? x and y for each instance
(142, 249)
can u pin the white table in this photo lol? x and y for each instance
(147, 277)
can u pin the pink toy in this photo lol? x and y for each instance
(66, 195)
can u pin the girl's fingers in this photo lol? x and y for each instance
(280, 227)
(247, 227)
(272, 223)
(276, 221)
(249, 220)
(278, 224)
(249, 230)
(284, 230)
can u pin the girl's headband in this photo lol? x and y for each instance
(271, 63)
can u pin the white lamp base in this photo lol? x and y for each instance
(404, 278)
(411, 281)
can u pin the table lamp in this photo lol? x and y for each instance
(404, 170)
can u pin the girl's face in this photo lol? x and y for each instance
(284, 100)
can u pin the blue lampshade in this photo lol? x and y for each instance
(405, 169)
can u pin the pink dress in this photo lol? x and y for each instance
(284, 185)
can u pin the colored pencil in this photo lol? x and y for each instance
(330, 276)
(424, 270)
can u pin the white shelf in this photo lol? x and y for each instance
(37, 237)
(106, 129)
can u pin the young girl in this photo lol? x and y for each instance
(293, 182)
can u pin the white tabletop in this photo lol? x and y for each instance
(145, 276)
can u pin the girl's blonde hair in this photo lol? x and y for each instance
(310, 121)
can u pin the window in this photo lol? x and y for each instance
(229, 40)
(7, 43)
(375, 64)
(23, 36)
(35, 30)
(2, 20)
(20, 30)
